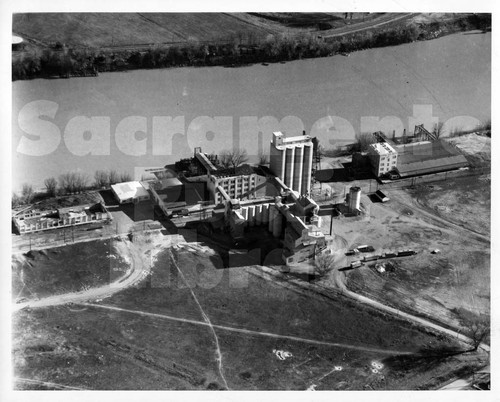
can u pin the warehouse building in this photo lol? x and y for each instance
(428, 157)
(413, 158)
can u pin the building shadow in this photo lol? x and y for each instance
(373, 198)
(139, 212)
(108, 197)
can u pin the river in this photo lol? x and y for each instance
(451, 75)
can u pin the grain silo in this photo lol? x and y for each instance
(354, 199)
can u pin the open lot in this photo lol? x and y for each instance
(452, 286)
(464, 201)
(38, 274)
(194, 325)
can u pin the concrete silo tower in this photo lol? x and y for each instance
(291, 160)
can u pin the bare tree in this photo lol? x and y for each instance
(73, 182)
(478, 331)
(27, 193)
(113, 177)
(67, 182)
(437, 130)
(51, 186)
(125, 176)
(233, 158)
(323, 264)
(16, 200)
(81, 181)
(263, 158)
(101, 179)
(225, 159)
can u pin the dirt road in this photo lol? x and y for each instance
(252, 332)
(383, 20)
(270, 274)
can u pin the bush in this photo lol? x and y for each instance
(323, 264)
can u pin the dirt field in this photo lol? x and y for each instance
(465, 201)
(166, 335)
(43, 273)
(453, 285)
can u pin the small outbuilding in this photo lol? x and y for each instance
(381, 196)
(130, 192)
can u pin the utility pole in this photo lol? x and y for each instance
(331, 222)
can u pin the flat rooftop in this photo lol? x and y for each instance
(129, 189)
(428, 157)
(425, 151)
(383, 148)
(279, 139)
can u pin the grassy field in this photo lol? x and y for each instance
(114, 29)
(72, 268)
(137, 339)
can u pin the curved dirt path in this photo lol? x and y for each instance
(135, 274)
(269, 274)
(401, 314)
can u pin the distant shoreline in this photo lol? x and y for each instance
(65, 62)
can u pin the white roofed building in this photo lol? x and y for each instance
(383, 158)
(130, 192)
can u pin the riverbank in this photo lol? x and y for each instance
(60, 61)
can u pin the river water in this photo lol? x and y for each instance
(333, 98)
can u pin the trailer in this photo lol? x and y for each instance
(365, 249)
(389, 255)
(356, 264)
(406, 253)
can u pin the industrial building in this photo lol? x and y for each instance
(423, 153)
(383, 157)
(291, 216)
(200, 164)
(35, 219)
(243, 182)
(129, 192)
(173, 196)
(428, 157)
(291, 161)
